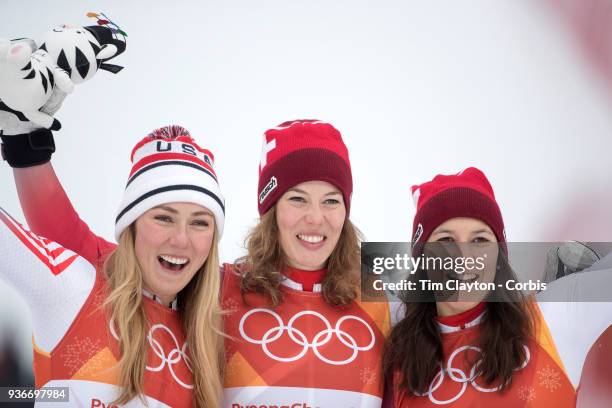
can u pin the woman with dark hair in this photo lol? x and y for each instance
(479, 349)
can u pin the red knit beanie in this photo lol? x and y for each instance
(465, 194)
(302, 150)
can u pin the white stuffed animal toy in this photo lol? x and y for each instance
(29, 77)
(27, 80)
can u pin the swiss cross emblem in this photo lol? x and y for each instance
(267, 148)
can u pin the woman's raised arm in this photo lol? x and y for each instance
(50, 213)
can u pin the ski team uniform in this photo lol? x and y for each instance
(551, 374)
(303, 353)
(75, 344)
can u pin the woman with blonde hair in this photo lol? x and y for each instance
(140, 322)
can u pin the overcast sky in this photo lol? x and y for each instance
(415, 88)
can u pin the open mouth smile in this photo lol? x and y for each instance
(463, 277)
(173, 263)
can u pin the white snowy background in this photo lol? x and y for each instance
(416, 88)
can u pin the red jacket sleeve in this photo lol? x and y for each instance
(49, 213)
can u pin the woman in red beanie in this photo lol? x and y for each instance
(493, 349)
(302, 335)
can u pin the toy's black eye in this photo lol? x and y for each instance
(79, 32)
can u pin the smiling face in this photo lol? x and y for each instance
(310, 217)
(480, 242)
(172, 243)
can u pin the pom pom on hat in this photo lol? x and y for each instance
(169, 132)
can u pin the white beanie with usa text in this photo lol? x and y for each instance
(169, 166)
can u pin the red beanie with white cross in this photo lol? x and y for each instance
(465, 194)
(298, 151)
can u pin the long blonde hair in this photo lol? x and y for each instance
(262, 266)
(200, 315)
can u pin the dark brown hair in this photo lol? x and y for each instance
(261, 267)
(414, 347)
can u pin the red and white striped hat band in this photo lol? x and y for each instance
(168, 166)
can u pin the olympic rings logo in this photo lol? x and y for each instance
(459, 376)
(174, 357)
(298, 337)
